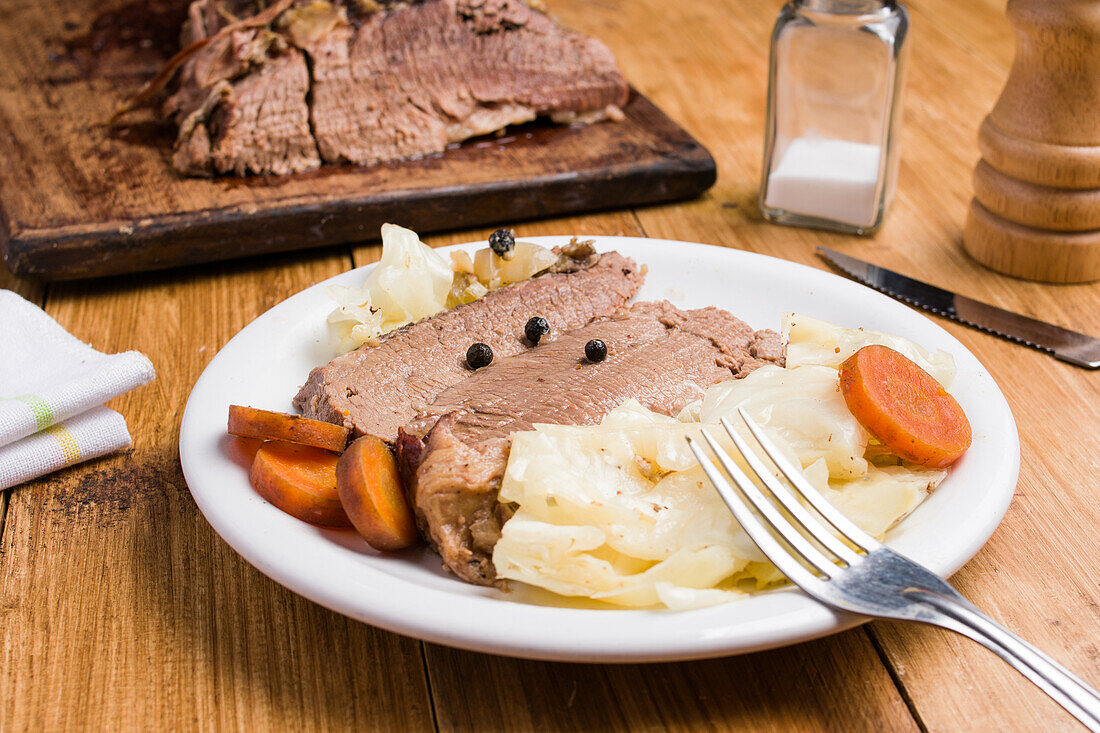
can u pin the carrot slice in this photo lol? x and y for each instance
(370, 489)
(250, 422)
(242, 451)
(904, 407)
(300, 480)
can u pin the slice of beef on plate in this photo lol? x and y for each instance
(378, 389)
(305, 81)
(454, 453)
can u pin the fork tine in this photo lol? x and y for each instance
(845, 526)
(778, 522)
(814, 527)
(771, 548)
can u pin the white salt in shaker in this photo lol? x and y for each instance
(834, 103)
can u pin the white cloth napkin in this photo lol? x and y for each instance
(52, 388)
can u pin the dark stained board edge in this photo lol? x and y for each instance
(681, 169)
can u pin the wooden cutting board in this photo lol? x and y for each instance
(79, 199)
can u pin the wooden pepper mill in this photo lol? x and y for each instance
(1036, 207)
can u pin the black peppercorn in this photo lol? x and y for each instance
(595, 350)
(535, 329)
(502, 241)
(479, 355)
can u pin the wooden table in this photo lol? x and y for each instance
(120, 609)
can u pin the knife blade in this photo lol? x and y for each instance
(1076, 348)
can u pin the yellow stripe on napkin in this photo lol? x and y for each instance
(69, 447)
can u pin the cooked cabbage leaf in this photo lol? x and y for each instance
(411, 281)
(813, 341)
(621, 512)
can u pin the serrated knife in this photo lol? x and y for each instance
(1076, 348)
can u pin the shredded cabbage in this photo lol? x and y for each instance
(803, 405)
(413, 281)
(813, 341)
(622, 513)
(356, 321)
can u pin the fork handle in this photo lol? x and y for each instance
(1063, 686)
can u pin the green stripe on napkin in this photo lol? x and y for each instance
(43, 415)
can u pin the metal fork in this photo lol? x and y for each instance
(861, 575)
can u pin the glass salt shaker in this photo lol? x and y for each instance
(834, 105)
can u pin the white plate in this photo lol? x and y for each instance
(265, 363)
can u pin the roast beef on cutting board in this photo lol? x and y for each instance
(364, 82)
(378, 389)
(455, 452)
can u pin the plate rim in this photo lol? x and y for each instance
(794, 617)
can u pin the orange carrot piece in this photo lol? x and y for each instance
(904, 407)
(250, 422)
(370, 489)
(242, 451)
(300, 480)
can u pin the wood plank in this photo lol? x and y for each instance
(980, 27)
(82, 200)
(121, 609)
(834, 684)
